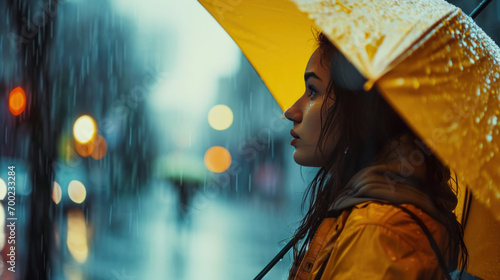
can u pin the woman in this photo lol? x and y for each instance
(380, 198)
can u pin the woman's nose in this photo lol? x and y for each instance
(294, 113)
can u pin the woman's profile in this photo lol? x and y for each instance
(381, 205)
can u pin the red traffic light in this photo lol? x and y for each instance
(17, 101)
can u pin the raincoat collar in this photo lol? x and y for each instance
(399, 178)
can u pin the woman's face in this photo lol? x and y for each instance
(305, 114)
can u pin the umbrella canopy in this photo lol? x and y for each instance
(437, 68)
(178, 166)
(432, 63)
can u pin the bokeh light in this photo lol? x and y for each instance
(100, 148)
(77, 235)
(17, 101)
(84, 149)
(73, 272)
(217, 159)
(3, 189)
(66, 149)
(85, 129)
(56, 193)
(76, 191)
(220, 117)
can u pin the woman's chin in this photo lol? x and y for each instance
(304, 159)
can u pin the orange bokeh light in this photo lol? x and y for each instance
(217, 159)
(84, 149)
(95, 148)
(17, 101)
(100, 148)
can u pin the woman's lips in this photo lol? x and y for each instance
(295, 137)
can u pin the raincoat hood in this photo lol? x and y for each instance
(399, 178)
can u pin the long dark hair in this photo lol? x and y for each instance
(364, 124)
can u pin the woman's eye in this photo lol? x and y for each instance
(312, 92)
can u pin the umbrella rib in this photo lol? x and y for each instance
(479, 8)
(418, 41)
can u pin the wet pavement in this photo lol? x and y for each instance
(223, 237)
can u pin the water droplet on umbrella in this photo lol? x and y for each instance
(415, 83)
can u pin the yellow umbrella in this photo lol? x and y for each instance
(432, 63)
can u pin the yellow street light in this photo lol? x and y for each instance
(84, 129)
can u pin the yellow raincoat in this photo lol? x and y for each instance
(372, 238)
(374, 241)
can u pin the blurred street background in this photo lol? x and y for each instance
(143, 145)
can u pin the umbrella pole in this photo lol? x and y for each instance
(276, 259)
(479, 8)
